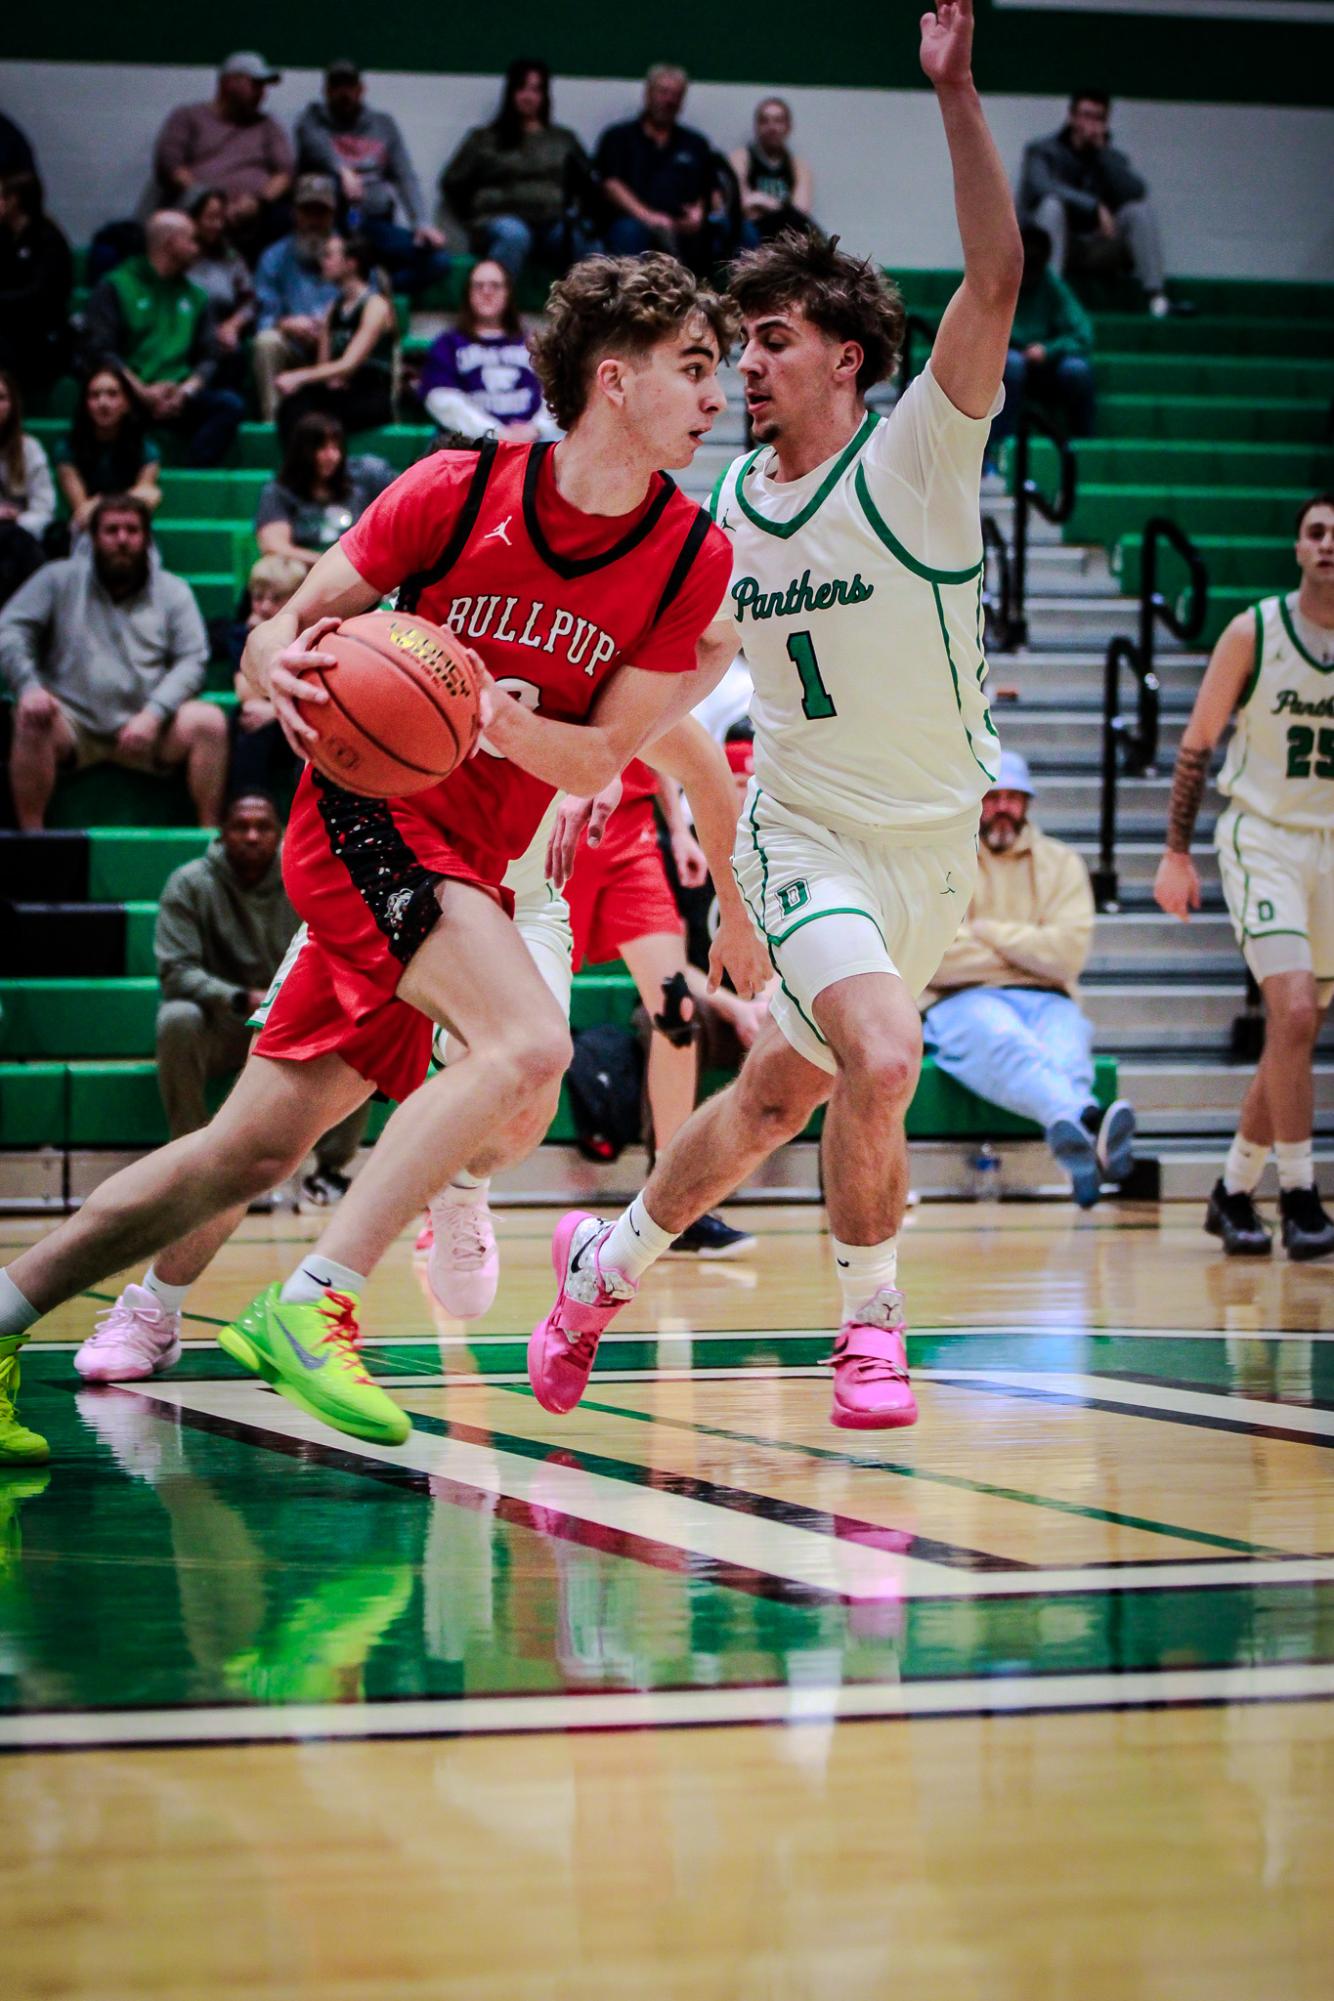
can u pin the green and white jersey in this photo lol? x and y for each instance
(1280, 762)
(857, 594)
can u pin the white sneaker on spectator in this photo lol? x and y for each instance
(134, 1339)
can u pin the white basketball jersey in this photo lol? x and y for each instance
(857, 593)
(1280, 762)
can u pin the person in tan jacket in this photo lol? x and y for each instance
(1003, 1015)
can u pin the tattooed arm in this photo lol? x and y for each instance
(1176, 887)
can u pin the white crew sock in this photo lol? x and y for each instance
(466, 1189)
(318, 1275)
(863, 1270)
(17, 1314)
(171, 1298)
(1246, 1162)
(1296, 1163)
(635, 1242)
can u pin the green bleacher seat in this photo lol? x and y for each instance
(1257, 563)
(1211, 375)
(219, 494)
(106, 794)
(33, 1104)
(130, 864)
(1213, 334)
(1269, 419)
(1107, 514)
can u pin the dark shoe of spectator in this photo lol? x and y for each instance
(1238, 1222)
(323, 1187)
(1073, 1146)
(1308, 1231)
(710, 1237)
(1113, 1137)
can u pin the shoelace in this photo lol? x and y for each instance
(469, 1242)
(340, 1317)
(135, 1328)
(871, 1368)
(583, 1347)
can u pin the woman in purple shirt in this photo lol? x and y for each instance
(480, 377)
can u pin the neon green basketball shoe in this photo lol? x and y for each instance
(308, 1351)
(18, 1445)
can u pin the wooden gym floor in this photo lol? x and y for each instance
(689, 1694)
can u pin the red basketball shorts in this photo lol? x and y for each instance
(619, 890)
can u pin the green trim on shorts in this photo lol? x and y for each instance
(1245, 876)
(891, 541)
(785, 528)
(769, 943)
(1279, 931)
(840, 910)
(990, 776)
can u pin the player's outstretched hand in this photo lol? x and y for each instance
(738, 952)
(1176, 887)
(286, 689)
(947, 42)
(586, 818)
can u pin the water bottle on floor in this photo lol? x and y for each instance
(984, 1174)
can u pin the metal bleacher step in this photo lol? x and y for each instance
(1173, 1098)
(1070, 740)
(1133, 943)
(1072, 676)
(1143, 1016)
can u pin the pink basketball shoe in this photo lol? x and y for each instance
(464, 1268)
(564, 1345)
(136, 1338)
(871, 1387)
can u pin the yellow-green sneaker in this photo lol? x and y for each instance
(308, 1350)
(18, 1445)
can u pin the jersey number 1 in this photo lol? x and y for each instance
(816, 703)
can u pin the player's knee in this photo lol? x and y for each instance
(886, 1072)
(538, 1058)
(1295, 1021)
(775, 1110)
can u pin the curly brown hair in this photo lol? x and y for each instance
(845, 296)
(618, 305)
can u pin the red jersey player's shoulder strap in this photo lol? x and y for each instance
(410, 590)
(681, 568)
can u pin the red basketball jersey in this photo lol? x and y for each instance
(553, 600)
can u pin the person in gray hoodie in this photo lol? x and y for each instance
(1093, 205)
(105, 653)
(364, 152)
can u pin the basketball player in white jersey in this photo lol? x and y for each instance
(1273, 669)
(856, 592)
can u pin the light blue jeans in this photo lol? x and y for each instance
(1022, 1048)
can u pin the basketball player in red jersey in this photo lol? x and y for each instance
(587, 579)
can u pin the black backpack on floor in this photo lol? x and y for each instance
(606, 1085)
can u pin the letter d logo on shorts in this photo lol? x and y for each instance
(791, 897)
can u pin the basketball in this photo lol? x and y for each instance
(404, 705)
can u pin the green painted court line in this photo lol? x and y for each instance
(869, 1464)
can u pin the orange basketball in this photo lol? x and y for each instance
(404, 706)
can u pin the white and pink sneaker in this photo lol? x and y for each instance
(564, 1346)
(871, 1387)
(134, 1339)
(464, 1268)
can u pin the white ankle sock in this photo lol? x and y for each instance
(317, 1276)
(1296, 1163)
(1246, 1162)
(17, 1314)
(863, 1270)
(467, 1188)
(635, 1242)
(171, 1298)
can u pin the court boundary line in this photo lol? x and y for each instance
(229, 1726)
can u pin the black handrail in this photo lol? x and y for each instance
(1131, 749)
(915, 328)
(997, 602)
(1028, 494)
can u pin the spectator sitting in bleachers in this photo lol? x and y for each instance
(775, 183)
(293, 292)
(230, 142)
(106, 449)
(1093, 205)
(104, 653)
(152, 323)
(660, 178)
(36, 275)
(16, 155)
(1002, 1016)
(221, 271)
(27, 493)
(1051, 349)
(352, 375)
(479, 376)
(261, 757)
(318, 492)
(515, 184)
(363, 150)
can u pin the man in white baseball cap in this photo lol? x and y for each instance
(230, 143)
(1002, 1013)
